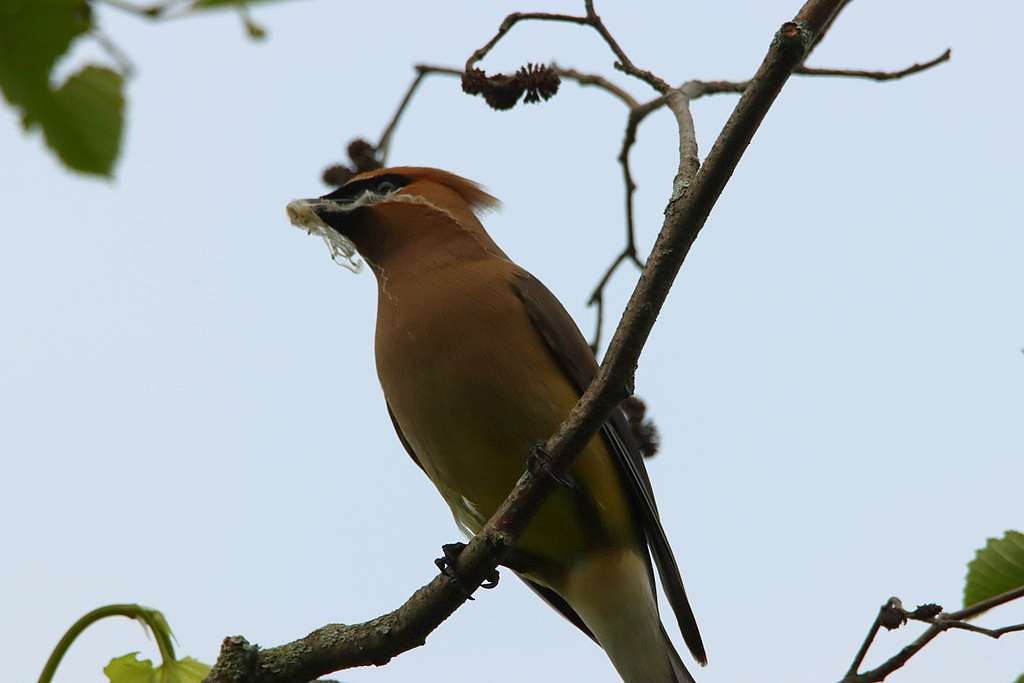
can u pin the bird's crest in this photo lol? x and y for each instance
(473, 194)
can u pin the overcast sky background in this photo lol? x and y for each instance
(191, 417)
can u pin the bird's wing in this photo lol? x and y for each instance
(555, 600)
(401, 437)
(573, 355)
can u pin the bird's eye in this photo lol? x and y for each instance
(386, 187)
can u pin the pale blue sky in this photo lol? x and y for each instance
(191, 418)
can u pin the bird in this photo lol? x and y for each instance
(479, 362)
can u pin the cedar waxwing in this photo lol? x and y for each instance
(479, 362)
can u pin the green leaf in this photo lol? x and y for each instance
(995, 569)
(84, 121)
(33, 34)
(130, 669)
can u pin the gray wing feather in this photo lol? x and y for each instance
(572, 353)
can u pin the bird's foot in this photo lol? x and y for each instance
(540, 461)
(447, 566)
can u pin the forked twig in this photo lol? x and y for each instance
(891, 615)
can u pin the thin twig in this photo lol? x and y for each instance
(384, 145)
(967, 626)
(985, 605)
(896, 661)
(120, 57)
(702, 88)
(876, 75)
(591, 19)
(513, 19)
(625, 64)
(597, 296)
(866, 645)
(598, 81)
(636, 114)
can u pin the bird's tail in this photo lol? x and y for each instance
(613, 594)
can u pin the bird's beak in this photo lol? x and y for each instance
(322, 213)
(323, 217)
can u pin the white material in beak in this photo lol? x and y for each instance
(343, 252)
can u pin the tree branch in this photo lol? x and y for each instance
(384, 144)
(625, 64)
(591, 19)
(877, 75)
(985, 605)
(377, 641)
(858, 659)
(598, 81)
(892, 615)
(513, 19)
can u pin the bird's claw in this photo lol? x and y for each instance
(539, 460)
(446, 565)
